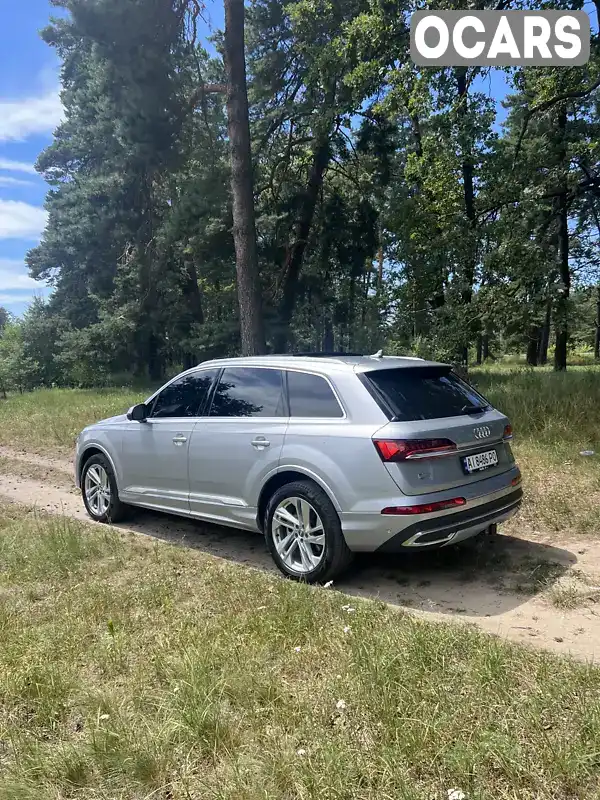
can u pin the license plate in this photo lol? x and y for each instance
(480, 461)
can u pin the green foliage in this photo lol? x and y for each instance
(392, 209)
(18, 371)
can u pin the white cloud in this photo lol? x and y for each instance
(17, 289)
(30, 115)
(21, 220)
(20, 299)
(13, 276)
(7, 180)
(8, 165)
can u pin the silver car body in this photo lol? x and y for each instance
(222, 469)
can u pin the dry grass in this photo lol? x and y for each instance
(26, 469)
(132, 670)
(574, 590)
(556, 417)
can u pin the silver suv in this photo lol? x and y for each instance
(327, 456)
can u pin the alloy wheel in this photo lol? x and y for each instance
(298, 535)
(97, 490)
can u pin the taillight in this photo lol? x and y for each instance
(404, 449)
(427, 508)
(508, 433)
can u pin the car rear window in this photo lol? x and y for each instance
(424, 393)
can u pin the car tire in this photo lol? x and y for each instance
(296, 547)
(104, 504)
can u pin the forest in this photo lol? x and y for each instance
(374, 204)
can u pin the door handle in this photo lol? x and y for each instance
(260, 443)
(179, 440)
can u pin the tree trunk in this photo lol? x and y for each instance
(468, 276)
(562, 302)
(485, 346)
(479, 349)
(191, 292)
(244, 226)
(351, 312)
(155, 363)
(365, 297)
(195, 315)
(545, 335)
(533, 346)
(597, 337)
(328, 335)
(380, 260)
(297, 248)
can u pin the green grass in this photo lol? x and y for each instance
(558, 413)
(137, 670)
(556, 416)
(50, 419)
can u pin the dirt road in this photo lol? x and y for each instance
(521, 584)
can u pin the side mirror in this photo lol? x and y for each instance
(138, 413)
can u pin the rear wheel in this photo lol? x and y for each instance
(99, 491)
(304, 534)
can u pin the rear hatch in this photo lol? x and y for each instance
(438, 423)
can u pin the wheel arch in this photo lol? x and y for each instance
(281, 478)
(93, 449)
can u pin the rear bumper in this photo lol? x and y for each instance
(440, 532)
(489, 502)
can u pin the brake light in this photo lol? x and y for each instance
(427, 508)
(404, 449)
(508, 433)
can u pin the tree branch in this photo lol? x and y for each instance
(203, 90)
(547, 104)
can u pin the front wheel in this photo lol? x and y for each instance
(99, 491)
(304, 534)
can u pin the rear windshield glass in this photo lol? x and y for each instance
(424, 393)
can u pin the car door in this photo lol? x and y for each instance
(155, 452)
(237, 444)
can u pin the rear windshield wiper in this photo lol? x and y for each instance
(473, 409)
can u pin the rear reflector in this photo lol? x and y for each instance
(508, 433)
(404, 449)
(427, 508)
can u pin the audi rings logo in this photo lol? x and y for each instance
(482, 433)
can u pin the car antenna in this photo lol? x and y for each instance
(378, 354)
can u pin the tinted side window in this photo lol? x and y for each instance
(185, 397)
(249, 392)
(312, 396)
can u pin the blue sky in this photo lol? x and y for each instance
(30, 110)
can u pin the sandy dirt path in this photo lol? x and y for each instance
(521, 585)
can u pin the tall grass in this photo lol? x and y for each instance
(556, 417)
(551, 410)
(50, 419)
(147, 671)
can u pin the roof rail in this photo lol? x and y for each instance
(327, 355)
